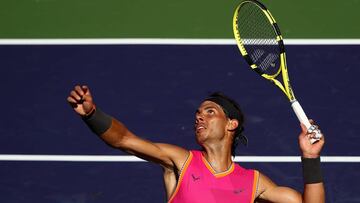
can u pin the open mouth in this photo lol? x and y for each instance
(199, 127)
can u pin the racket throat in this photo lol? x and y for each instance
(285, 76)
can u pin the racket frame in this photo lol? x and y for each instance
(285, 87)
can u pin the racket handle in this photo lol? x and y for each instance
(304, 120)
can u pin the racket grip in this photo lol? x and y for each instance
(304, 120)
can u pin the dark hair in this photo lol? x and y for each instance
(232, 110)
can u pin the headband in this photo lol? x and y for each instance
(231, 112)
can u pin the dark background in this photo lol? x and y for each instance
(155, 90)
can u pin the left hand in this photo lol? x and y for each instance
(310, 150)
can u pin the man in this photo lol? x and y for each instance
(208, 175)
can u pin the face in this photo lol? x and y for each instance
(210, 122)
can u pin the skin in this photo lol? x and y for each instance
(214, 133)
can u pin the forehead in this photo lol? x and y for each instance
(209, 104)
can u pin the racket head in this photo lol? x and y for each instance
(258, 38)
(261, 44)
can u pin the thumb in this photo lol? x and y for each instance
(89, 106)
(303, 134)
(303, 128)
(87, 100)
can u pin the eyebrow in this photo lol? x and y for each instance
(206, 108)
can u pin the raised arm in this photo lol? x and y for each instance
(116, 134)
(314, 191)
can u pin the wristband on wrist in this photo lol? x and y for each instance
(98, 121)
(311, 170)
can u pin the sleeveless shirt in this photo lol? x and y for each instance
(199, 183)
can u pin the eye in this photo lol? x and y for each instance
(210, 111)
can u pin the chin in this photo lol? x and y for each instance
(200, 138)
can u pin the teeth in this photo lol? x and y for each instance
(199, 127)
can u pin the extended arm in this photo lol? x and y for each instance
(314, 191)
(116, 134)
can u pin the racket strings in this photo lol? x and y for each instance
(259, 38)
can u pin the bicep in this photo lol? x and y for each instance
(269, 191)
(166, 155)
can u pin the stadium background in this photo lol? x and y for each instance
(155, 89)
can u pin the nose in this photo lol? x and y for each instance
(198, 117)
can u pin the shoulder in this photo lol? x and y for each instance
(176, 155)
(247, 171)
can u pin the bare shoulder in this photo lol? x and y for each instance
(177, 154)
(270, 191)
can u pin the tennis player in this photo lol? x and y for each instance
(208, 175)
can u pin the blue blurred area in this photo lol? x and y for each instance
(155, 90)
(67, 182)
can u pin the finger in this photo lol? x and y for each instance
(312, 122)
(316, 127)
(87, 98)
(317, 135)
(318, 141)
(312, 135)
(86, 90)
(303, 134)
(71, 100)
(75, 95)
(79, 90)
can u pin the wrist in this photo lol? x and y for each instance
(90, 113)
(311, 170)
(98, 121)
(310, 156)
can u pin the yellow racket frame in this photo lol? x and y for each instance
(285, 87)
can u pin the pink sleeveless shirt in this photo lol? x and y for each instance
(199, 183)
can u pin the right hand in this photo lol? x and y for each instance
(81, 100)
(309, 149)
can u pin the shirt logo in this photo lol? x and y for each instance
(195, 178)
(238, 191)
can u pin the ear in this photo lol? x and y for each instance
(233, 124)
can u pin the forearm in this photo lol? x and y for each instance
(314, 193)
(106, 127)
(116, 134)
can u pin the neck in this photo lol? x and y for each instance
(219, 157)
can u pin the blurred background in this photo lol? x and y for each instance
(150, 64)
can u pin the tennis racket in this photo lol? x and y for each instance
(260, 43)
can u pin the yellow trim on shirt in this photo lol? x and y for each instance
(183, 170)
(255, 185)
(218, 174)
